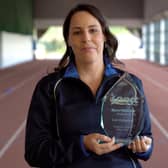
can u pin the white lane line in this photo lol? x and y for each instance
(12, 139)
(161, 86)
(22, 126)
(18, 86)
(5, 76)
(158, 124)
(154, 82)
(153, 118)
(13, 72)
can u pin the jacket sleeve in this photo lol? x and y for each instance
(146, 131)
(42, 146)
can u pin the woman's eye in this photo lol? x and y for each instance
(93, 30)
(76, 32)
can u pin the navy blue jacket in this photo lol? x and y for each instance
(55, 128)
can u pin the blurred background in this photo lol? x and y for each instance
(31, 44)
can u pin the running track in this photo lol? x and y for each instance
(17, 84)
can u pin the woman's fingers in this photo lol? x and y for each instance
(91, 141)
(109, 146)
(100, 144)
(102, 138)
(147, 140)
(140, 144)
(146, 143)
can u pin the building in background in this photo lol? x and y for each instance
(23, 22)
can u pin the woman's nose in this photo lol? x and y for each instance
(86, 37)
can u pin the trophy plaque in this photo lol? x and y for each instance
(122, 114)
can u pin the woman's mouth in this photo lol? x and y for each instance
(88, 49)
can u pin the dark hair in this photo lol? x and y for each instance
(111, 43)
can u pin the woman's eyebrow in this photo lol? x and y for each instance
(76, 27)
(80, 27)
(93, 26)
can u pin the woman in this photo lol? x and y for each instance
(63, 125)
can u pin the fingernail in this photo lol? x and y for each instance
(113, 139)
(121, 144)
(98, 140)
(137, 137)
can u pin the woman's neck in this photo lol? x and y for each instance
(92, 75)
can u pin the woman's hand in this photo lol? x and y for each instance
(140, 144)
(100, 144)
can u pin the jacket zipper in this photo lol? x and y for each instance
(55, 98)
(104, 82)
(132, 161)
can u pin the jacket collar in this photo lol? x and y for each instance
(71, 70)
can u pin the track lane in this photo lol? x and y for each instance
(15, 113)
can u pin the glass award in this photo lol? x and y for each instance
(122, 110)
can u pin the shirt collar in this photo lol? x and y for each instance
(71, 70)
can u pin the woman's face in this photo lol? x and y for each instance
(86, 38)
